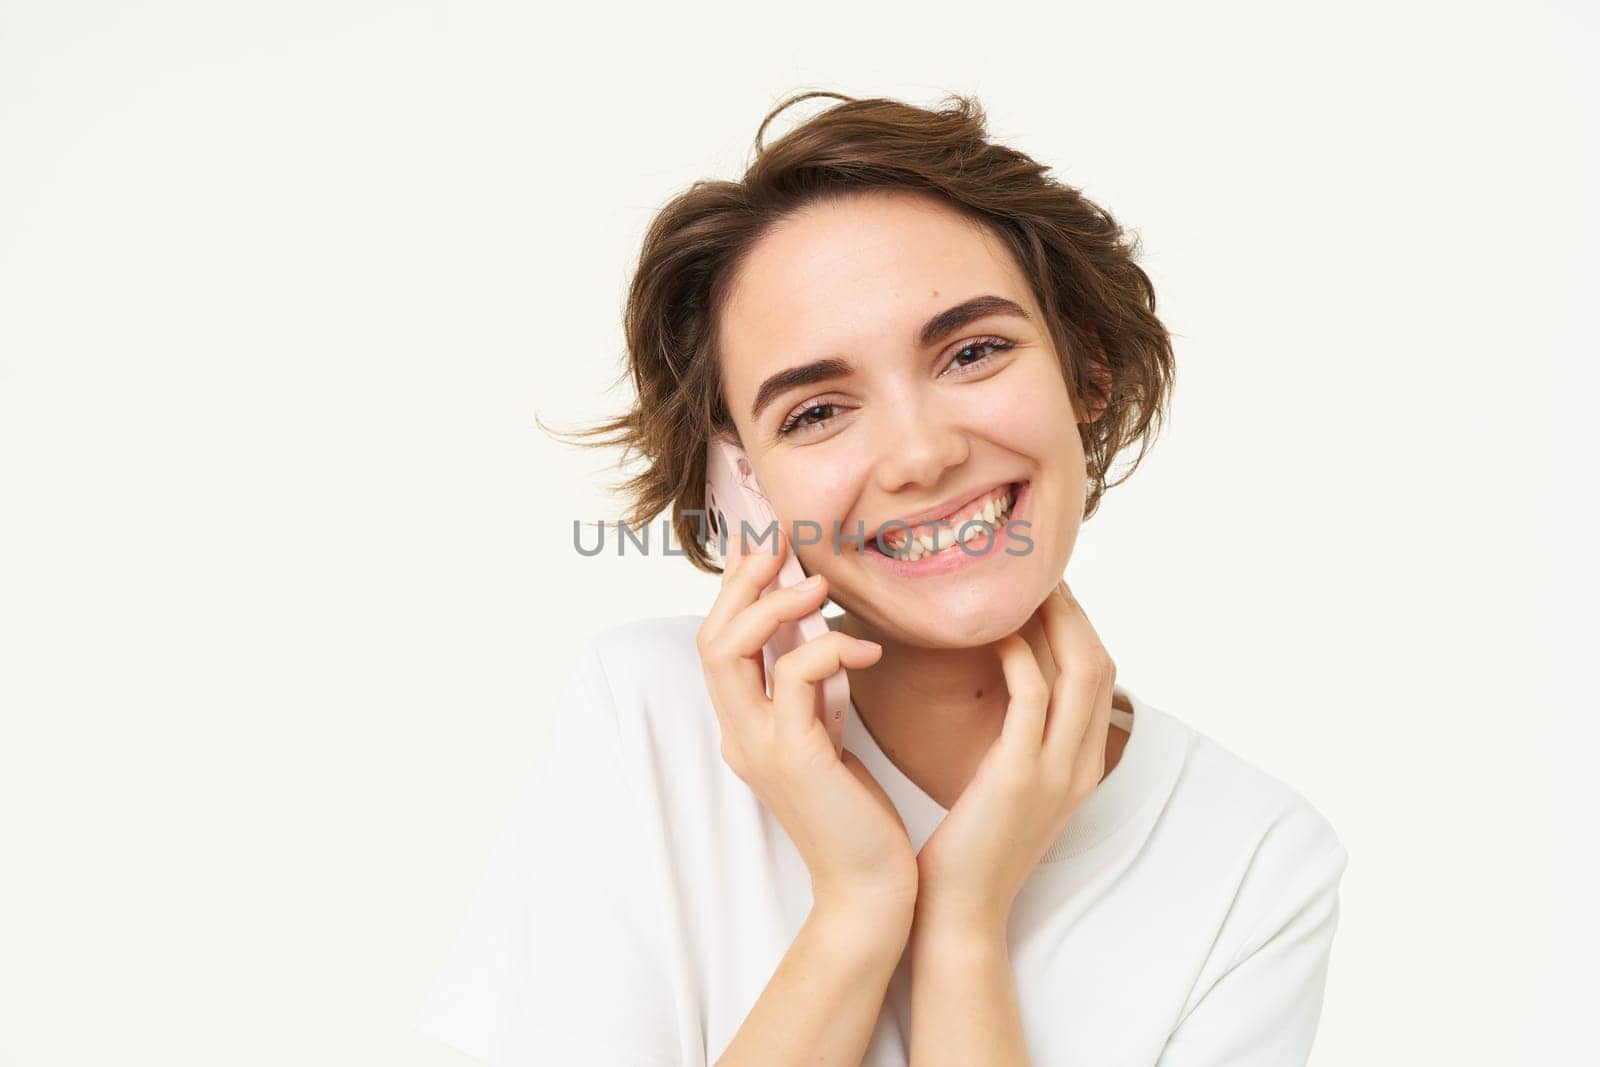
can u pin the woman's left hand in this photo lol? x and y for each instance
(1048, 759)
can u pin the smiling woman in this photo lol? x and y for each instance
(1065, 269)
(914, 332)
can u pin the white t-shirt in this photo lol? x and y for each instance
(640, 897)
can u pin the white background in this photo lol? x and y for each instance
(286, 575)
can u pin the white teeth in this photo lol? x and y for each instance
(992, 515)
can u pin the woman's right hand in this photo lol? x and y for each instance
(838, 816)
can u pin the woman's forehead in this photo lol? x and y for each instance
(836, 257)
(836, 290)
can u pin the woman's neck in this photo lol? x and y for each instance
(935, 711)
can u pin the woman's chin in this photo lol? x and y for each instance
(960, 615)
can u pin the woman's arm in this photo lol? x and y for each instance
(1046, 762)
(823, 1000)
(824, 997)
(963, 999)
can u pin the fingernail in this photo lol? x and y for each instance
(862, 641)
(810, 583)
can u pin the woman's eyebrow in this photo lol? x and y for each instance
(950, 320)
(937, 328)
(819, 370)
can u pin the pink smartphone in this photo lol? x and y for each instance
(734, 497)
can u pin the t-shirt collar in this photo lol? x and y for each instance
(1131, 782)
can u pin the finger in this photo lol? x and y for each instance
(744, 636)
(1091, 763)
(1030, 695)
(732, 680)
(1091, 760)
(1081, 662)
(796, 675)
(731, 561)
(739, 657)
(754, 570)
(739, 662)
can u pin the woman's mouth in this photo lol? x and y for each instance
(967, 537)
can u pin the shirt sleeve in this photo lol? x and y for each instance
(1264, 1008)
(562, 956)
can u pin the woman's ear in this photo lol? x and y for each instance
(1098, 370)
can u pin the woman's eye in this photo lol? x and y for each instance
(804, 419)
(996, 344)
(970, 354)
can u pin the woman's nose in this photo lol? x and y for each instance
(918, 447)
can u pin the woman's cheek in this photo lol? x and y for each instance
(1033, 426)
(808, 512)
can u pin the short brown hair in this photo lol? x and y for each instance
(1098, 303)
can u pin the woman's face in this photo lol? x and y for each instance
(913, 417)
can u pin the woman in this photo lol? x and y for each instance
(1016, 859)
